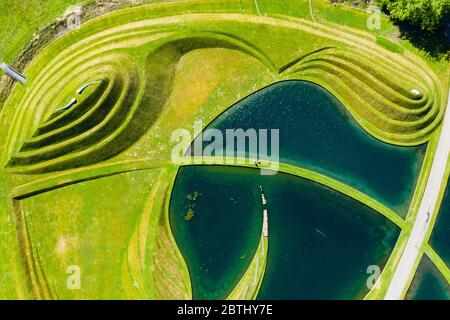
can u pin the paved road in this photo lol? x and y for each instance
(424, 217)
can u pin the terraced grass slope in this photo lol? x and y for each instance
(157, 68)
(397, 109)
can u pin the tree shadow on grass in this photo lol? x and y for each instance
(435, 44)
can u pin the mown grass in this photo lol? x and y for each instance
(227, 56)
(20, 20)
(70, 226)
(388, 44)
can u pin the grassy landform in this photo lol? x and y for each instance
(30, 26)
(248, 287)
(437, 261)
(153, 259)
(20, 20)
(160, 67)
(388, 44)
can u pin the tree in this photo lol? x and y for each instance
(426, 14)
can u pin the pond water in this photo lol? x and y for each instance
(428, 283)
(440, 238)
(321, 242)
(318, 133)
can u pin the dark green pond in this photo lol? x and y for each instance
(440, 238)
(428, 283)
(320, 241)
(317, 133)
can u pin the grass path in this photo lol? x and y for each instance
(249, 285)
(307, 174)
(437, 261)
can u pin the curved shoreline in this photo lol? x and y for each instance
(307, 174)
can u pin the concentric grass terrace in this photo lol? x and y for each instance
(160, 67)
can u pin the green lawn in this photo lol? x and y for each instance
(160, 67)
(20, 20)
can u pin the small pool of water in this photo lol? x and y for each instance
(428, 283)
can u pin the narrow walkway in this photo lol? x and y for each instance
(405, 267)
(311, 11)
(264, 236)
(257, 7)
